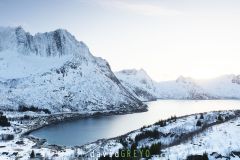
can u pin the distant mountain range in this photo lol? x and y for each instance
(143, 87)
(53, 70)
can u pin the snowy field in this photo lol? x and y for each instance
(181, 137)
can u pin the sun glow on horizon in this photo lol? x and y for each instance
(198, 39)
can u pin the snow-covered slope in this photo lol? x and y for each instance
(182, 88)
(227, 86)
(211, 142)
(143, 87)
(55, 71)
(138, 83)
(224, 87)
(179, 138)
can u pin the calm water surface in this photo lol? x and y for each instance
(87, 130)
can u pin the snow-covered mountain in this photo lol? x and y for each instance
(138, 83)
(181, 88)
(143, 87)
(55, 71)
(224, 87)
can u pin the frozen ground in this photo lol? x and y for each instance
(218, 141)
(180, 137)
(218, 137)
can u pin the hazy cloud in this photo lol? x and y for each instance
(141, 8)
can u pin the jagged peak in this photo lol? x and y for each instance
(12, 29)
(19, 28)
(183, 79)
(54, 43)
(133, 71)
(58, 31)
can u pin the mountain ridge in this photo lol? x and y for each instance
(223, 87)
(55, 71)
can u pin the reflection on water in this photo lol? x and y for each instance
(87, 130)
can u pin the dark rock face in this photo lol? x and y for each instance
(236, 79)
(55, 43)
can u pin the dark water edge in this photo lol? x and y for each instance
(107, 125)
(54, 119)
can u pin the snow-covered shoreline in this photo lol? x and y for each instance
(177, 131)
(71, 116)
(23, 123)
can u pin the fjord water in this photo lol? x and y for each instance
(87, 130)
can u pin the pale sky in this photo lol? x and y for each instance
(167, 38)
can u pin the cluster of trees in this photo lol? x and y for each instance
(172, 119)
(201, 116)
(147, 134)
(220, 118)
(155, 149)
(123, 142)
(198, 157)
(199, 123)
(4, 121)
(32, 154)
(23, 108)
(25, 117)
(7, 137)
(163, 123)
(134, 154)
